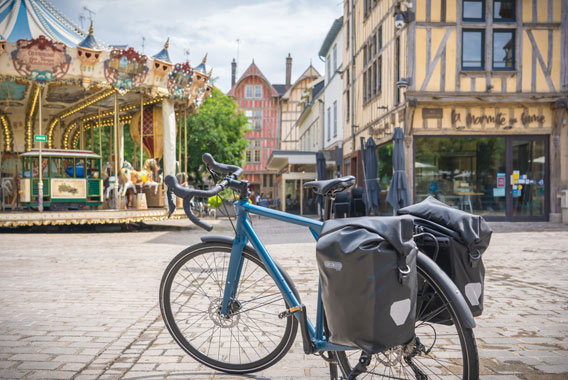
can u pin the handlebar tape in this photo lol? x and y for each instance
(221, 168)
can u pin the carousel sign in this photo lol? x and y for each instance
(126, 69)
(40, 59)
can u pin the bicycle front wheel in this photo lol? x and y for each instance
(252, 337)
(443, 347)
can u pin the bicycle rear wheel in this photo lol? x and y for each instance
(443, 348)
(252, 338)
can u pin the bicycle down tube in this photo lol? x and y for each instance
(245, 232)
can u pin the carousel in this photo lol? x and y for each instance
(88, 131)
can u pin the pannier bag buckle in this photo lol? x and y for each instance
(403, 274)
(474, 258)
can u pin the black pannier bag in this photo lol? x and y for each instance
(462, 238)
(367, 271)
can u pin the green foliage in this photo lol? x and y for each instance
(218, 128)
(214, 202)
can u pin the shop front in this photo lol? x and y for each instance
(488, 161)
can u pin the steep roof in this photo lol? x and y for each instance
(310, 72)
(252, 71)
(280, 88)
(331, 34)
(32, 18)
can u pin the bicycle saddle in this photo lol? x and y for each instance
(330, 186)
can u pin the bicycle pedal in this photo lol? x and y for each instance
(289, 312)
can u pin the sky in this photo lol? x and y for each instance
(267, 31)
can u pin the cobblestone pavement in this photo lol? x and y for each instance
(84, 305)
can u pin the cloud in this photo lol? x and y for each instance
(267, 31)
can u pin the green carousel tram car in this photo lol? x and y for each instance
(71, 179)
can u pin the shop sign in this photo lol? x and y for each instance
(40, 59)
(432, 113)
(498, 119)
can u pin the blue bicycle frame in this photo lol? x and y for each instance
(245, 233)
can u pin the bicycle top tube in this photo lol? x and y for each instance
(314, 225)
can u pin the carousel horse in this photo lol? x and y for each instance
(131, 177)
(8, 193)
(109, 181)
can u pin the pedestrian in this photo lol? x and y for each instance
(257, 199)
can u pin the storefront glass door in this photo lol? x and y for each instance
(527, 167)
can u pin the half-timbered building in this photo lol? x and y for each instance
(259, 101)
(480, 88)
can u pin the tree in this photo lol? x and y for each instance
(218, 128)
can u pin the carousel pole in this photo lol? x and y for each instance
(82, 144)
(116, 177)
(179, 144)
(100, 132)
(92, 139)
(141, 126)
(185, 138)
(40, 166)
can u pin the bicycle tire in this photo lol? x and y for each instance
(203, 267)
(442, 361)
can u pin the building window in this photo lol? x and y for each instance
(257, 119)
(257, 155)
(473, 10)
(334, 58)
(248, 156)
(328, 123)
(335, 119)
(397, 74)
(329, 67)
(258, 91)
(248, 92)
(472, 49)
(503, 50)
(372, 66)
(504, 10)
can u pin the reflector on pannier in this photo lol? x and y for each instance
(367, 271)
(462, 238)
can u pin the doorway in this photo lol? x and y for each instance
(527, 175)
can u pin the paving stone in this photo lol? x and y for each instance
(89, 306)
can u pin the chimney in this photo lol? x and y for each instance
(288, 71)
(233, 72)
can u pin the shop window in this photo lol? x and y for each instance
(504, 10)
(467, 173)
(473, 10)
(503, 50)
(472, 49)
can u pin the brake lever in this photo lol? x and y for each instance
(194, 219)
(171, 203)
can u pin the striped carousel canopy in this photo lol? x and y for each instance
(32, 18)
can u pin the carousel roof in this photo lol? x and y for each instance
(90, 42)
(203, 67)
(32, 18)
(163, 54)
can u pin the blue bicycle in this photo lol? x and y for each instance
(232, 307)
